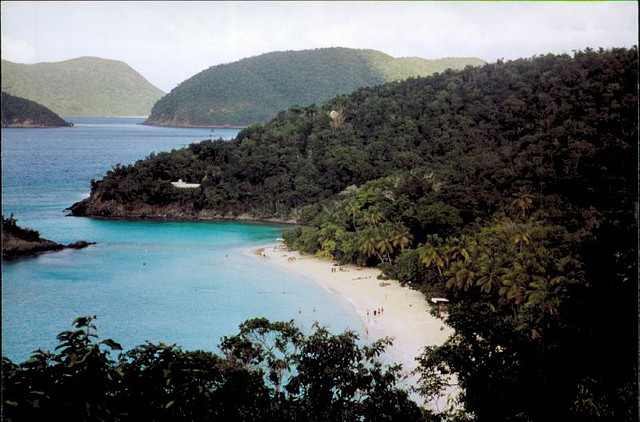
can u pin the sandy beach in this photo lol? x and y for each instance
(386, 308)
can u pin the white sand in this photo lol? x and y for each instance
(406, 313)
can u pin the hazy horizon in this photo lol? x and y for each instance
(168, 42)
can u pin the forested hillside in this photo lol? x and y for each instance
(510, 189)
(253, 90)
(19, 112)
(86, 86)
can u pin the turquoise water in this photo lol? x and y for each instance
(184, 283)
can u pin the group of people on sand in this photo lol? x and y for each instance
(377, 312)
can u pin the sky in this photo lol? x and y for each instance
(168, 42)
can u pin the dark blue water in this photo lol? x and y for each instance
(188, 283)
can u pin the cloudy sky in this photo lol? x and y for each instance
(168, 42)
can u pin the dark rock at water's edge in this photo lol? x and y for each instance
(22, 242)
(80, 244)
(15, 248)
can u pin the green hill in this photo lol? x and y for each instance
(18, 112)
(85, 86)
(254, 89)
(510, 189)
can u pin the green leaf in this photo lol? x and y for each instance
(112, 344)
(168, 405)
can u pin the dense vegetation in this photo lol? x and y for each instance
(511, 189)
(253, 90)
(19, 112)
(270, 371)
(86, 86)
(20, 241)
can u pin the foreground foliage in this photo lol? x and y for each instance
(269, 371)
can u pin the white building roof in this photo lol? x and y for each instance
(439, 299)
(182, 185)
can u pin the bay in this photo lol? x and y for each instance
(177, 282)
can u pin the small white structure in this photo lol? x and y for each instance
(441, 303)
(182, 185)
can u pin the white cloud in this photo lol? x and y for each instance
(17, 51)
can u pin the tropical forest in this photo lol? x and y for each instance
(510, 189)
(255, 89)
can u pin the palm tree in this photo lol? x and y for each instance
(461, 277)
(461, 248)
(385, 242)
(329, 238)
(523, 200)
(353, 210)
(371, 216)
(521, 238)
(512, 289)
(368, 242)
(489, 273)
(431, 253)
(401, 238)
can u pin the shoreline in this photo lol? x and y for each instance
(400, 312)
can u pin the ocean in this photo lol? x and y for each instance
(188, 283)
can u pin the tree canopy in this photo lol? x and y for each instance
(269, 371)
(510, 189)
(254, 89)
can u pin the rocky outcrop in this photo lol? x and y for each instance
(22, 242)
(14, 247)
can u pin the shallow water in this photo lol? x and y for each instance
(188, 283)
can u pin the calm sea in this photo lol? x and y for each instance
(184, 283)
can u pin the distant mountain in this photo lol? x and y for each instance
(86, 86)
(254, 89)
(19, 112)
